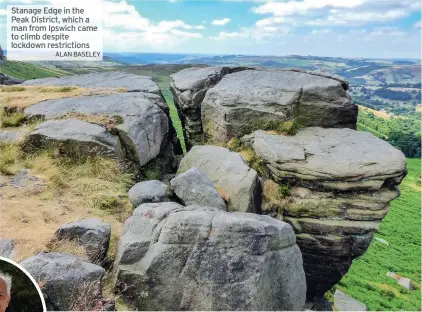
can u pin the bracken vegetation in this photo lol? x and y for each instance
(401, 228)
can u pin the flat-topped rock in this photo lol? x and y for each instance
(130, 82)
(260, 96)
(228, 171)
(337, 186)
(195, 258)
(196, 78)
(74, 137)
(145, 128)
(332, 158)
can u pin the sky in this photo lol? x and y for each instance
(337, 28)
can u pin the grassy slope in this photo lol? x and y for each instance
(27, 71)
(366, 280)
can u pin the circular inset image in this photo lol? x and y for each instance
(18, 290)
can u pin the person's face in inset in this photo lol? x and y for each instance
(4, 297)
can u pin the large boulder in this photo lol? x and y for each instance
(127, 81)
(152, 191)
(258, 97)
(172, 257)
(225, 102)
(75, 137)
(69, 283)
(229, 172)
(189, 87)
(337, 185)
(144, 130)
(194, 188)
(91, 233)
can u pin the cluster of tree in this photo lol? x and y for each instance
(403, 85)
(392, 95)
(403, 133)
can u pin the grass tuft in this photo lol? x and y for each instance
(14, 119)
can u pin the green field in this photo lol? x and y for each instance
(401, 228)
(28, 71)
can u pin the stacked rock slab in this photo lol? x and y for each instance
(341, 184)
(189, 87)
(195, 258)
(225, 102)
(146, 130)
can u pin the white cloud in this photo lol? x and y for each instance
(417, 25)
(333, 12)
(221, 22)
(294, 7)
(258, 33)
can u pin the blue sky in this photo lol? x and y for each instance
(343, 28)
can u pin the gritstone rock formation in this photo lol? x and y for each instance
(145, 131)
(224, 102)
(341, 184)
(172, 257)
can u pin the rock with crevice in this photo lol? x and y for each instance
(194, 188)
(223, 102)
(172, 257)
(70, 283)
(74, 137)
(229, 173)
(189, 87)
(143, 133)
(340, 183)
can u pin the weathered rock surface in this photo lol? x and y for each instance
(172, 257)
(153, 191)
(12, 136)
(228, 171)
(70, 283)
(343, 302)
(130, 82)
(74, 137)
(220, 101)
(6, 248)
(194, 188)
(91, 233)
(189, 87)
(145, 128)
(357, 160)
(341, 182)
